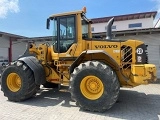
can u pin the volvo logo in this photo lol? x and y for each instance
(106, 46)
(139, 51)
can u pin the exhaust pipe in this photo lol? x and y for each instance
(109, 29)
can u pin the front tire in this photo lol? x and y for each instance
(18, 82)
(94, 86)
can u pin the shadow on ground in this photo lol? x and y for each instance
(50, 97)
(136, 106)
(130, 105)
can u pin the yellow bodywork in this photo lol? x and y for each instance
(113, 52)
(141, 74)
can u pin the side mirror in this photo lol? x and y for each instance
(48, 23)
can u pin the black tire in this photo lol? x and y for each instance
(50, 85)
(108, 78)
(28, 87)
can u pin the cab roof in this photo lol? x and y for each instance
(69, 13)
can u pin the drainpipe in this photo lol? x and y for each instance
(156, 23)
(10, 50)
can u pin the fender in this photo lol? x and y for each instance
(36, 67)
(99, 55)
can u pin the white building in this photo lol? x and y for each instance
(7, 41)
(125, 22)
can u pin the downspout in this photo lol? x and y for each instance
(157, 23)
(10, 50)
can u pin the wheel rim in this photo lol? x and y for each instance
(14, 82)
(91, 87)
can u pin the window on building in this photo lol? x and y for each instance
(113, 27)
(135, 25)
(92, 28)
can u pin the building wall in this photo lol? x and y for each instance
(49, 42)
(4, 46)
(18, 48)
(123, 25)
(4, 41)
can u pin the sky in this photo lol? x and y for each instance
(28, 17)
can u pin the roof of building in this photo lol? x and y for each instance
(45, 38)
(126, 17)
(12, 35)
(145, 31)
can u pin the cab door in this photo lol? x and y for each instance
(66, 33)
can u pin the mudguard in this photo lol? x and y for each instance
(107, 57)
(77, 61)
(36, 67)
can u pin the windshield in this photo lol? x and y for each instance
(64, 32)
(85, 27)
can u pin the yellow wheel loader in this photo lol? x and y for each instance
(93, 68)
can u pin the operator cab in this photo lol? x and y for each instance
(65, 29)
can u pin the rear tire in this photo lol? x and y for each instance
(18, 82)
(94, 86)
